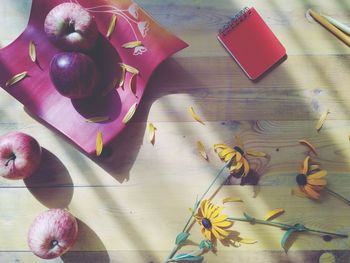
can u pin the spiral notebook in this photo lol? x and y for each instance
(251, 43)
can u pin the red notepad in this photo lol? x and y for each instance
(251, 43)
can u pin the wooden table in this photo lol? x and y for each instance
(131, 205)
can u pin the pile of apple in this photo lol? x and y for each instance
(74, 74)
(73, 30)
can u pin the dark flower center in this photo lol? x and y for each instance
(239, 149)
(206, 223)
(301, 179)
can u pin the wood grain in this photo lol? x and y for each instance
(132, 202)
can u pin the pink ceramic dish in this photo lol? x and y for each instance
(38, 95)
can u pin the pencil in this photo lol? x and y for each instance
(338, 24)
(324, 22)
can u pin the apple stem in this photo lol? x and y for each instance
(53, 243)
(12, 158)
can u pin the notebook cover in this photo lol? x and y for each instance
(253, 45)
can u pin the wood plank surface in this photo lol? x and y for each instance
(132, 203)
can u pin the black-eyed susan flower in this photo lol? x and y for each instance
(213, 224)
(311, 179)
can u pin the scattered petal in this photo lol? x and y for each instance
(297, 192)
(195, 116)
(111, 26)
(130, 113)
(274, 213)
(98, 119)
(308, 144)
(220, 146)
(99, 143)
(32, 51)
(231, 199)
(129, 68)
(139, 50)
(133, 10)
(247, 240)
(322, 120)
(16, 78)
(201, 150)
(256, 153)
(143, 27)
(152, 133)
(132, 44)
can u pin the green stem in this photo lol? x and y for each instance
(284, 226)
(337, 195)
(186, 227)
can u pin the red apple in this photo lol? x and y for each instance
(52, 233)
(70, 27)
(73, 74)
(20, 155)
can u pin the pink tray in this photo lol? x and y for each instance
(67, 116)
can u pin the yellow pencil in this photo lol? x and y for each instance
(324, 22)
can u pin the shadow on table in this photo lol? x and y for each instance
(51, 184)
(89, 247)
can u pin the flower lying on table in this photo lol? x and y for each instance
(239, 165)
(213, 223)
(311, 179)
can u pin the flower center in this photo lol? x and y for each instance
(301, 179)
(206, 223)
(239, 149)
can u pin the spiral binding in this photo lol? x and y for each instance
(235, 20)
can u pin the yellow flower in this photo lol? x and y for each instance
(311, 179)
(213, 223)
(238, 163)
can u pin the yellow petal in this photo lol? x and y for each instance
(207, 234)
(318, 175)
(225, 152)
(152, 133)
(247, 241)
(201, 150)
(245, 167)
(203, 204)
(229, 156)
(314, 167)
(297, 192)
(322, 120)
(132, 44)
(219, 219)
(235, 168)
(130, 113)
(98, 119)
(195, 116)
(256, 153)
(238, 156)
(216, 234)
(317, 181)
(122, 78)
(129, 68)
(216, 212)
(32, 51)
(274, 213)
(224, 224)
(220, 146)
(16, 78)
(111, 26)
(305, 167)
(223, 233)
(309, 145)
(311, 192)
(99, 143)
(231, 199)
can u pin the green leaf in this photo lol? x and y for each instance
(182, 237)
(206, 244)
(248, 217)
(187, 257)
(285, 238)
